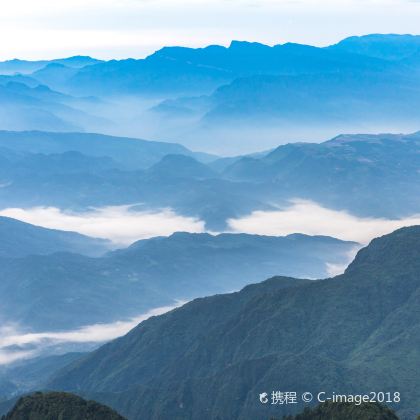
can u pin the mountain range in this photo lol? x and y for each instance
(237, 144)
(212, 357)
(367, 175)
(64, 291)
(26, 66)
(20, 239)
(241, 98)
(128, 152)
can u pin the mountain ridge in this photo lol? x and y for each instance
(247, 340)
(20, 239)
(151, 273)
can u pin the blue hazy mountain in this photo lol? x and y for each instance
(181, 166)
(236, 99)
(155, 75)
(128, 152)
(79, 181)
(296, 91)
(18, 239)
(180, 70)
(252, 112)
(320, 97)
(27, 66)
(76, 290)
(212, 357)
(388, 47)
(356, 172)
(55, 75)
(26, 106)
(19, 78)
(353, 172)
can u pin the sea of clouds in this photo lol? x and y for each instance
(124, 225)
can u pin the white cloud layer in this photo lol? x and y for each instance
(120, 224)
(15, 345)
(310, 218)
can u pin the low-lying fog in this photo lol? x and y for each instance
(139, 117)
(16, 344)
(120, 224)
(124, 225)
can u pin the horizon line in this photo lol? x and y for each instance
(226, 45)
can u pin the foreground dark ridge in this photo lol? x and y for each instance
(211, 358)
(59, 405)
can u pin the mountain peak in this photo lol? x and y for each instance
(398, 253)
(383, 46)
(176, 165)
(235, 44)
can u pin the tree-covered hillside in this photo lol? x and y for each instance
(214, 356)
(59, 406)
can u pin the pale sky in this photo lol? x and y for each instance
(134, 28)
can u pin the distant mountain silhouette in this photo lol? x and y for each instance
(76, 290)
(234, 99)
(18, 239)
(389, 47)
(129, 152)
(26, 105)
(181, 166)
(27, 66)
(351, 172)
(187, 70)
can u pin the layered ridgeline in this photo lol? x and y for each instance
(20, 239)
(267, 94)
(59, 405)
(213, 357)
(127, 153)
(371, 176)
(178, 69)
(355, 172)
(16, 66)
(28, 103)
(67, 290)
